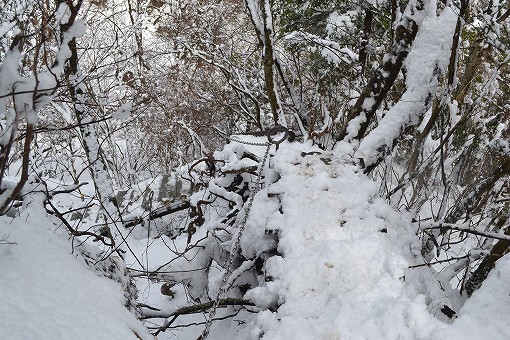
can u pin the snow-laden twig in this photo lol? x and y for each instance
(343, 54)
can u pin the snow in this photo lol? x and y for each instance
(44, 83)
(256, 14)
(430, 54)
(124, 111)
(63, 13)
(49, 293)
(6, 27)
(343, 251)
(329, 49)
(376, 3)
(341, 269)
(340, 261)
(340, 21)
(486, 313)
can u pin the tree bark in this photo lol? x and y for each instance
(475, 280)
(265, 36)
(365, 39)
(378, 86)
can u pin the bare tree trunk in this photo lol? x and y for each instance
(264, 30)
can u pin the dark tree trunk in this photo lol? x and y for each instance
(378, 86)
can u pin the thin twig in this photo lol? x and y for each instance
(469, 230)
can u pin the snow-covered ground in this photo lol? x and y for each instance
(342, 264)
(341, 270)
(48, 292)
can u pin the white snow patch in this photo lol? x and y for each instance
(124, 111)
(486, 315)
(47, 293)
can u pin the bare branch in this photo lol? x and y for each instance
(196, 308)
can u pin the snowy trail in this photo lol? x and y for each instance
(344, 252)
(342, 271)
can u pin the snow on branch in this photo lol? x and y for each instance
(331, 49)
(21, 97)
(32, 93)
(427, 60)
(256, 16)
(359, 117)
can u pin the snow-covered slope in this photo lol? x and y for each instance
(486, 315)
(48, 293)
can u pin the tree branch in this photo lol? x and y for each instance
(196, 308)
(465, 228)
